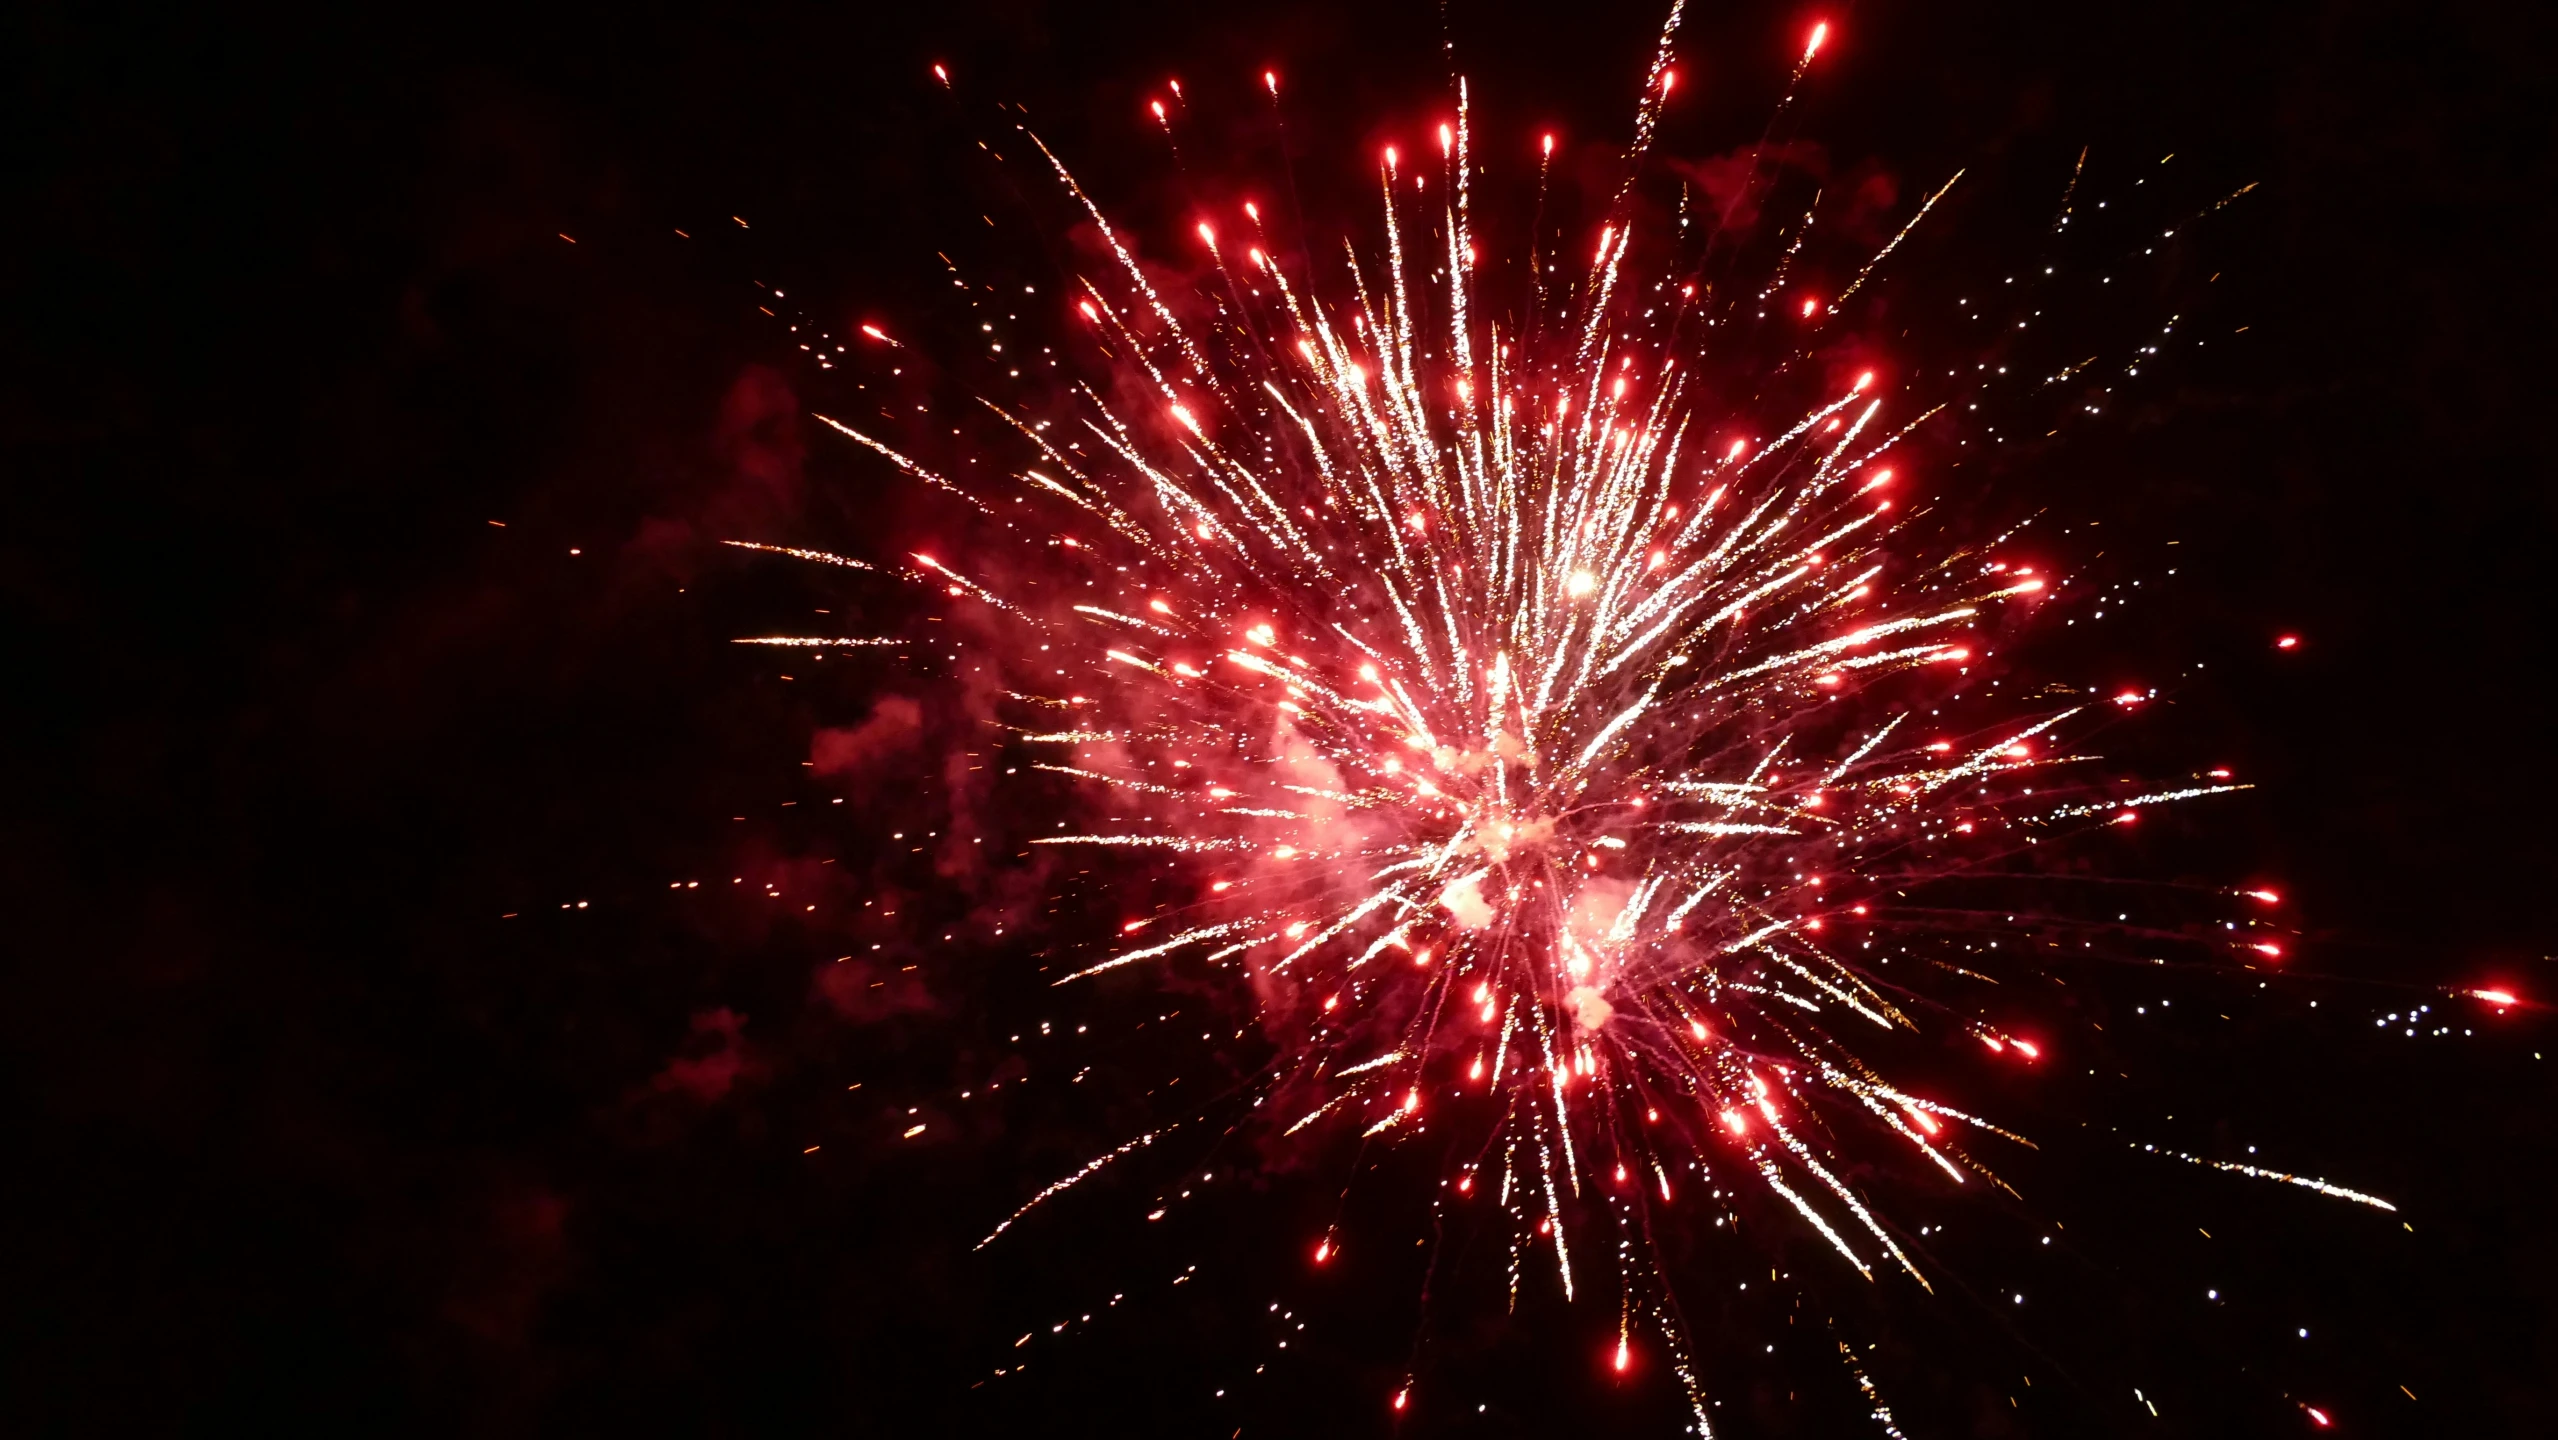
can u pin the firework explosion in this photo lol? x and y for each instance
(1554, 736)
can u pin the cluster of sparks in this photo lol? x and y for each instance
(1549, 734)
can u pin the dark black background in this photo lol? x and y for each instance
(301, 1133)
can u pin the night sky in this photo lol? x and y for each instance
(378, 388)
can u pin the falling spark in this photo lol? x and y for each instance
(2306, 1182)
